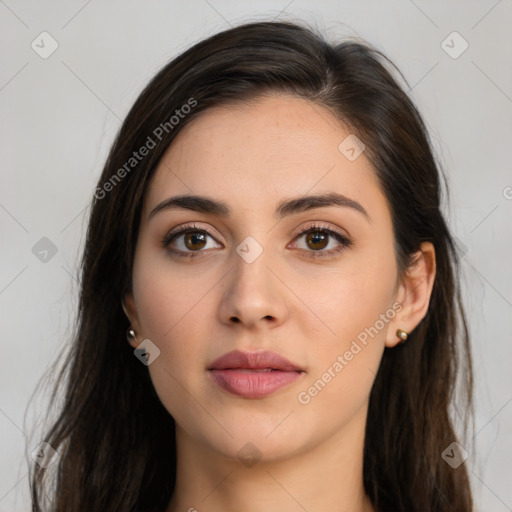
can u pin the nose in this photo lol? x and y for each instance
(253, 294)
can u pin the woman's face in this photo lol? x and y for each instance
(245, 279)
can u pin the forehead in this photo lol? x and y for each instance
(254, 154)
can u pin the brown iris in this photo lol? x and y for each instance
(195, 240)
(318, 239)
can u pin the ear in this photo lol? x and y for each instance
(414, 293)
(130, 310)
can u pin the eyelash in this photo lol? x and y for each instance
(314, 228)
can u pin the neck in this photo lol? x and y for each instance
(327, 476)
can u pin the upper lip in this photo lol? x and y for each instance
(253, 360)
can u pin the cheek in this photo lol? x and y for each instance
(167, 319)
(175, 312)
(166, 294)
(354, 305)
(344, 365)
(347, 301)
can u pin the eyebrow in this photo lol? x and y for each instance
(285, 208)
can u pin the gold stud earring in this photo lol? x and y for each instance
(131, 336)
(402, 335)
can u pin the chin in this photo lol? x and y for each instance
(258, 441)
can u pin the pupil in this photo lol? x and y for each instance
(317, 238)
(192, 239)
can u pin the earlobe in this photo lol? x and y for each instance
(414, 294)
(130, 310)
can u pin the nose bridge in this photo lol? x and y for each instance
(253, 292)
(251, 263)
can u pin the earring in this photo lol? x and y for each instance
(131, 336)
(402, 335)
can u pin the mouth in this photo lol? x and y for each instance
(253, 374)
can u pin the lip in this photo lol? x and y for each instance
(253, 374)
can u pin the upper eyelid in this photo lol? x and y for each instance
(325, 226)
(187, 227)
(309, 225)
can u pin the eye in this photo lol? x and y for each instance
(318, 238)
(189, 241)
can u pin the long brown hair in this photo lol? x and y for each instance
(115, 440)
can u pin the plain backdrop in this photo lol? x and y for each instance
(61, 111)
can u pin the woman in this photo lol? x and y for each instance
(266, 239)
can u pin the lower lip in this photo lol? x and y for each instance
(252, 384)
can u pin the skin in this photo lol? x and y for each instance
(253, 156)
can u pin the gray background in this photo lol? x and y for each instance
(60, 114)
